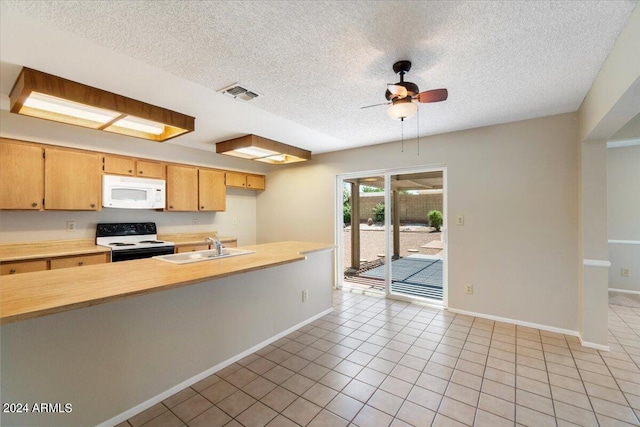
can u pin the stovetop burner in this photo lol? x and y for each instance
(152, 242)
(122, 244)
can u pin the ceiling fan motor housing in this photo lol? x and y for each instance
(412, 90)
(402, 67)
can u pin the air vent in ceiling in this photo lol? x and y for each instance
(239, 92)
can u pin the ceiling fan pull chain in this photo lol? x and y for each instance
(402, 128)
(418, 131)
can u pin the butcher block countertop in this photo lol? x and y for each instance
(49, 249)
(29, 295)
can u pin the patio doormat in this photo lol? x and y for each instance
(415, 276)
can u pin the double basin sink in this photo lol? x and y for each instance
(199, 256)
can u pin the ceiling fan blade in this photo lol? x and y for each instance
(398, 90)
(375, 105)
(435, 95)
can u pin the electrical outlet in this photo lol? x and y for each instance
(460, 220)
(71, 226)
(235, 221)
(194, 222)
(468, 289)
(624, 272)
(305, 295)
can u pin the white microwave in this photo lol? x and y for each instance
(126, 192)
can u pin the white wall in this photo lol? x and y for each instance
(517, 186)
(623, 204)
(51, 225)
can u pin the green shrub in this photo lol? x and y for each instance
(435, 219)
(378, 212)
(346, 213)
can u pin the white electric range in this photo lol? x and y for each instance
(132, 240)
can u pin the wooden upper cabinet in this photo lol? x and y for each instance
(212, 194)
(243, 180)
(182, 188)
(72, 180)
(118, 165)
(149, 169)
(255, 182)
(21, 176)
(236, 179)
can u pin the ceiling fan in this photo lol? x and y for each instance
(404, 96)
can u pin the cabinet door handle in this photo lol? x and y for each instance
(93, 205)
(141, 172)
(170, 207)
(201, 207)
(81, 263)
(34, 204)
(130, 170)
(12, 271)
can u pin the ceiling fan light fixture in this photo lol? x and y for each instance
(402, 109)
(253, 147)
(45, 96)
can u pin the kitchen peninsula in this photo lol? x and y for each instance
(84, 335)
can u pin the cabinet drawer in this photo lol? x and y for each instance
(23, 266)
(78, 261)
(191, 248)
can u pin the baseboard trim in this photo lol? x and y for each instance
(173, 390)
(533, 325)
(516, 322)
(596, 263)
(624, 291)
(624, 242)
(593, 345)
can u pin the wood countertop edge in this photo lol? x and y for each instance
(311, 251)
(26, 315)
(276, 254)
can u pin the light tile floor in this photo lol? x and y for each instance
(377, 362)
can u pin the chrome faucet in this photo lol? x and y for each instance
(215, 241)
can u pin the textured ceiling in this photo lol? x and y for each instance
(316, 63)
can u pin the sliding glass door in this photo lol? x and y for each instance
(363, 236)
(391, 233)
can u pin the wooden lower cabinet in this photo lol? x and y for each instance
(203, 247)
(28, 266)
(78, 261)
(17, 267)
(191, 248)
